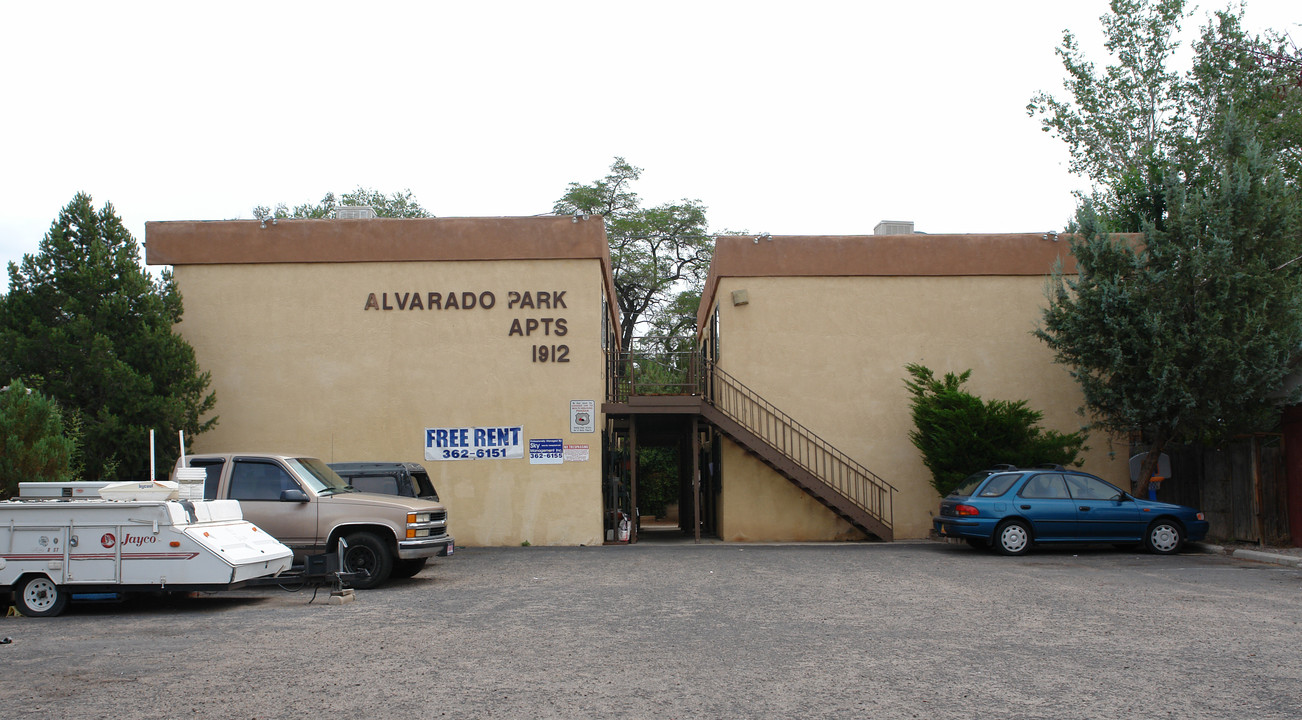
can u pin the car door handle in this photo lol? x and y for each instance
(1026, 507)
(1084, 508)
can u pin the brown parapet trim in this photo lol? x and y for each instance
(918, 255)
(252, 242)
(227, 242)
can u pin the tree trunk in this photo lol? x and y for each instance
(1149, 466)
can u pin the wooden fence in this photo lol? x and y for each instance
(1240, 487)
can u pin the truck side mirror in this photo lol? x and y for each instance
(295, 495)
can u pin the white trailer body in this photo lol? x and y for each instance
(52, 548)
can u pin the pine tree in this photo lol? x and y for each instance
(86, 324)
(35, 446)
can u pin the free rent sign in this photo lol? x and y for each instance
(474, 443)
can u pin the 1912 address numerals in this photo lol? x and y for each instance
(551, 353)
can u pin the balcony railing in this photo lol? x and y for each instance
(650, 369)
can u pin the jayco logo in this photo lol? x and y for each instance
(137, 540)
(108, 540)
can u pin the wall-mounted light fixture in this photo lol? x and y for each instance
(740, 297)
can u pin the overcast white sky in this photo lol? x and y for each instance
(805, 117)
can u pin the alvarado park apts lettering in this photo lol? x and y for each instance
(486, 300)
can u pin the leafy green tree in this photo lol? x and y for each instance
(959, 434)
(1190, 334)
(1128, 119)
(35, 446)
(395, 205)
(90, 328)
(1257, 80)
(657, 479)
(656, 254)
(1140, 122)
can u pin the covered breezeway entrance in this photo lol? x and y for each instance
(682, 401)
(663, 478)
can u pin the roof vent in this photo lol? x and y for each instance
(894, 227)
(355, 212)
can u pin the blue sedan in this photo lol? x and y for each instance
(1012, 509)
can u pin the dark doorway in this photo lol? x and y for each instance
(665, 499)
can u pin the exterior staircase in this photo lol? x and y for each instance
(701, 388)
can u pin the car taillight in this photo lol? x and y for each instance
(966, 510)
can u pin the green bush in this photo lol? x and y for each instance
(959, 434)
(34, 444)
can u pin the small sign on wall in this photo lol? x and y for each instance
(576, 453)
(546, 452)
(583, 416)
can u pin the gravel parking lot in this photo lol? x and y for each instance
(905, 630)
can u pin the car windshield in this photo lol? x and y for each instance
(319, 476)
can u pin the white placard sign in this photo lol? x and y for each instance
(546, 451)
(576, 453)
(474, 443)
(583, 416)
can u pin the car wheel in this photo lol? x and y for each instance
(368, 557)
(408, 568)
(1164, 537)
(977, 543)
(38, 596)
(1013, 538)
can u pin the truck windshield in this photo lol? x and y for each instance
(319, 476)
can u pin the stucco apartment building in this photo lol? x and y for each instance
(486, 349)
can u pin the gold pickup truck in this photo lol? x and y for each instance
(302, 503)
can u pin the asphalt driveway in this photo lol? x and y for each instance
(906, 630)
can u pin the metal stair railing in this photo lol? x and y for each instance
(799, 444)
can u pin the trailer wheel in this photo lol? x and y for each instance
(38, 596)
(369, 557)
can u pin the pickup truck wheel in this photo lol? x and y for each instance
(408, 568)
(38, 596)
(368, 556)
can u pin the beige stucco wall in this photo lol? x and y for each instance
(758, 505)
(831, 352)
(300, 365)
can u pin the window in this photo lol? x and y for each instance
(1048, 486)
(259, 480)
(213, 468)
(1084, 487)
(605, 323)
(379, 484)
(999, 484)
(714, 334)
